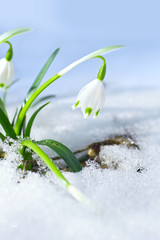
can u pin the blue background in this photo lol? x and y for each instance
(80, 27)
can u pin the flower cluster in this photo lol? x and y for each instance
(90, 99)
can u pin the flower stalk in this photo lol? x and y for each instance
(102, 71)
(9, 54)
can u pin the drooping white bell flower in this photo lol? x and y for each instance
(91, 98)
(6, 72)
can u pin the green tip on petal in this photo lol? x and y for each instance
(97, 112)
(1, 85)
(88, 111)
(77, 103)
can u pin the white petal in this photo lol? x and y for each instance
(10, 73)
(88, 91)
(85, 116)
(90, 85)
(73, 107)
(3, 70)
(94, 97)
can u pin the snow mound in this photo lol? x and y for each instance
(127, 199)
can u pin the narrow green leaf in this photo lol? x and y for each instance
(4, 96)
(2, 106)
(41, 74)
(63, 152)
(30, 122)
(43, 99)
(24, 125)
(27, 105)
(2, 137)
(7, 35)
(14, 117)
(6, 125)
(35, 85)
(101, 51)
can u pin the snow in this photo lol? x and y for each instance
(128, 201)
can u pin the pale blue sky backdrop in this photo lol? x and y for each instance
(80, 27)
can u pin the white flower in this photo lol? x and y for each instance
(6, 72)
(91, 98)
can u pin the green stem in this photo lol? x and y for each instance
(4, 96)
(9, 54)
(46, 159)
(102, 71)
(30, 101)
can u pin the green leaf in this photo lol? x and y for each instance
(24, 125)
(63, 152)
(4, 96)
(28, 166)
(101, 51)
(6, 125)
(2, 137)
(30, 122)
(41, 74)
(7, 35)
(14, 116)
(2, 106)
(43, 99)
(34, 88)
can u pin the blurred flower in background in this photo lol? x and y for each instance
(6, 73)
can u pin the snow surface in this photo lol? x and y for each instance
(39, 207)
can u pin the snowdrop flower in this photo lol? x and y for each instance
(6, 72)
(91, 98)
